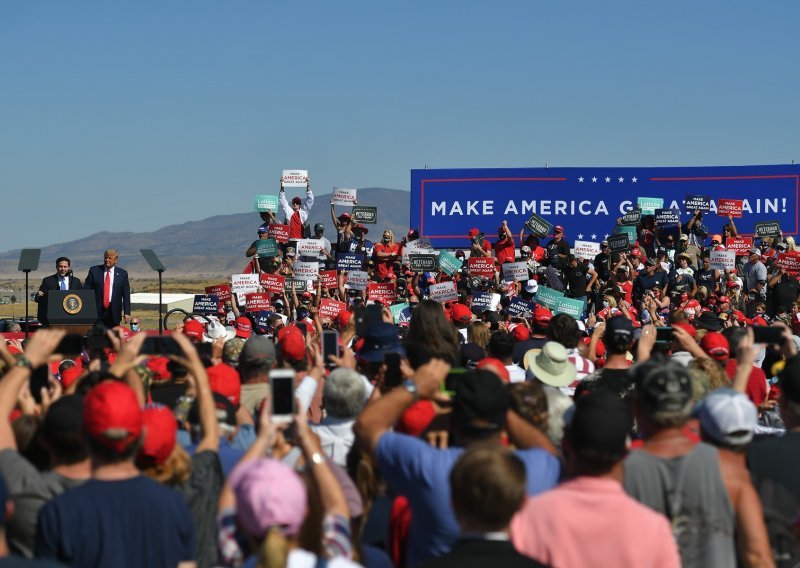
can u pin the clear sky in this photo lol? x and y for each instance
(132, 116)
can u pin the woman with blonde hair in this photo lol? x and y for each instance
(478, 333)
(386, 253)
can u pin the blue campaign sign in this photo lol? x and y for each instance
(446, 204)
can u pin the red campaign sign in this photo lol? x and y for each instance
(481, 266)
(331, 308)
(329, 278)
(257, 301)
(279, 232)
(729, 207)
(789, 261)
(223, 291)
(740, 245)
(272, 283)
(381, 292)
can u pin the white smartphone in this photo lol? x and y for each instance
(281, 382)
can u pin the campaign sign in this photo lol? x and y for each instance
(331, 308)
(244, 283)
(401, 313)
(740, 245)
(305, 270)
(515, 271)
(362, 214)
(266, 203)
(449, 263)
(789, 261)
(295, 284)
(730, 207)
(548, 297)
(349, 261)
(416, 247)
(697, 203)
(266, 247)
(520, 308)
(382, 292)
(586, 249)
(481, 266)
(569, 306)
(444, 292)
(279, 232)
(329, 278)
(538, 226)
(274, 283)
(627, 230)
(632, 217)
(294, 178)
(223, 292)
(257, 301)
(206, 304)
(723, 259)
(308, 247)
(619, 243)
(422, 262)
(343, 196)
(766, 230)
(648, 205)
(667, 217)
(356, 280)
(481, 301)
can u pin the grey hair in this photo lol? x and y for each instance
(344, 393)
(558, 405)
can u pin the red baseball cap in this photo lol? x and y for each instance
(496, 366)
(460, 313)
(225, 380)
(542, 315)
(292, 344)
(160, 435)
(688, 328)
(473, 233)
(715, 345)
(243, 327)
(416, 418)
(520, 333)
(636, 252)
(296, 200)
(69, 376)
(342, 319)
(558, 228)
(111, 415)
(194, 330)
(724, 300)
(732, 284)
(159, 367)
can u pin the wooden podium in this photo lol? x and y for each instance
(72, 310)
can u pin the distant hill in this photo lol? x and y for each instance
(204, 249)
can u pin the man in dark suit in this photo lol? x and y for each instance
(112, 291)
(61, 280)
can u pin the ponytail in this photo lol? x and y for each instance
(274, 550)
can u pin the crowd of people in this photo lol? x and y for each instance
(656, 428)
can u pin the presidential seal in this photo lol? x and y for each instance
(72, 304)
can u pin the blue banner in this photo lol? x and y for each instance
(446, 204)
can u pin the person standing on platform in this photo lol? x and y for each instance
(112, 291)
(297, 212)
(61, 280)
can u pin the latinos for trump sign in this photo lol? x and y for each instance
(446, 204)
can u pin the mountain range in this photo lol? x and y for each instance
(210, 248)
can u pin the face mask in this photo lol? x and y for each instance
(386, 239)
(134, 327)
(605, 304)
(684, 297)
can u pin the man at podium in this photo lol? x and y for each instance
(61, 280)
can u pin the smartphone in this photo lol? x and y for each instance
(763, 334)
(330, 346)
(281, 382)
(97, 338)
(374, 314)
(360, 313)
(160, 345)
(38, 380)
(70, 345)
(393, 377)
(664, 334)
(451, 381)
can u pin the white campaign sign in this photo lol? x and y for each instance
(723, 259)
(295, 178)
(245, 283)
(305, 270)
(416, 247)
(444, 292)
(357, 280)
(308, 247)
(586, 249)
(343, 196)
(515, 271)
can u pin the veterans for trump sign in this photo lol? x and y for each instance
(446, 204)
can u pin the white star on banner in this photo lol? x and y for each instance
(608, 180)
(634, 179)
(606, 235)
(580, 179)
(594, 180)
(621, 180)
(594, 236)
(580, 236)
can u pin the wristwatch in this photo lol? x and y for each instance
(317, 458)
(411, 387)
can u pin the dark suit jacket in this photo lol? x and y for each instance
(482, 553)
(120, 293)
(51, 283)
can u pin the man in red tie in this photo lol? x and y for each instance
(297, 212)
(112, 290)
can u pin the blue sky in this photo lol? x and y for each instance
(130, 117)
